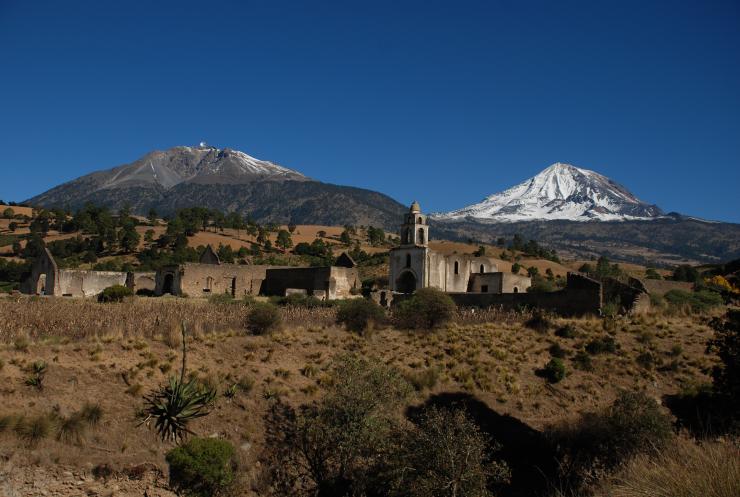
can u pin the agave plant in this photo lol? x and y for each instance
(174, 405)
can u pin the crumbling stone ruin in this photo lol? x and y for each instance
(413, 265)
(207, 277)
(46, 278)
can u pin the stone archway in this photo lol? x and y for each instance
(406, 282)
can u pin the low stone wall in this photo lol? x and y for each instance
(329, 282)
(83, 283)
(581, 296)
(661, 287)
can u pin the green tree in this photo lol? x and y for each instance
(447, 454)
(532, 271)
(515, 268)
(284, 240)
(130, 238)
(345, 238)
(8, 213)
(152, 217)
(335, 446)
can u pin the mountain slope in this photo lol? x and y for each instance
(224, 179)
(561, 191)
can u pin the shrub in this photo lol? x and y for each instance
(685, 468)
(646, 359)
(115, 293)
(446, 451)
(33, 430)
(421, 380)
(71, 429)
(583, 361)
(557, 351)
(360, 315)
(429, 308)
(203, 467)
(263, 317)
(599, 441)
(91, 413)
(301, 300)
(336, 445)
(601, 345)
(697, 302)
(221, 298)
(567, 331)
(726, 376)
(554, 370)
(539, 322)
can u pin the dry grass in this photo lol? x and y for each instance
(687, 469)
(113, 354)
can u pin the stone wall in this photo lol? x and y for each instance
(661, 287)
(202, 280)
(499, 282)
(44, 276)
(323, 282)
(87, 283)
(631, 297)
(581, 296)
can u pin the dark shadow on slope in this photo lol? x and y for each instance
(525, 450)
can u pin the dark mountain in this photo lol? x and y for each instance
(666, 240)
(228, 180)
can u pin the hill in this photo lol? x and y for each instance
(226, 180)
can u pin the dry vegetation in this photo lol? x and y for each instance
(112, 354)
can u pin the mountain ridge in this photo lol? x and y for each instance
(559, 192)
(227, 180)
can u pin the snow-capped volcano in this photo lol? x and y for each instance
(561, 191)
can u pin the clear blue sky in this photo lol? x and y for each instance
(440, 101)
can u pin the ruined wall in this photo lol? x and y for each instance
(144, 281)
(581, 296)
(44, 276)
(323, 282)
(87, 283)
(202, 280)
(499, 282)
(660, 287)
(632, 297)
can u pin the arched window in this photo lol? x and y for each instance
(421, 236)
(408, 260)
(420, 220)
(406, 236)
(457, 267)
(516, 289)
(482, 269)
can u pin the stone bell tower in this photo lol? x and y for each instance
(415, 230)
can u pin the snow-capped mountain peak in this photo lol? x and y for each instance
(561, 191)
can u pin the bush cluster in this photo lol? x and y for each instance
(600, 441)
(115, 293)
(360, 315)
(263, 317)
(202, 467)
(429, 308)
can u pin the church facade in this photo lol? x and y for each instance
(414, 265)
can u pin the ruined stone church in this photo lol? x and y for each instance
(414, 265)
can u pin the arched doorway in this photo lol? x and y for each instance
(169, 284)
(41, 285)
(406, 283)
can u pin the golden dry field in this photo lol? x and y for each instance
(114, 354)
